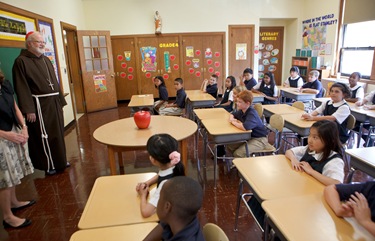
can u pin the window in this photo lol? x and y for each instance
(357, 52)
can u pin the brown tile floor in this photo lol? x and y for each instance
(62, 198)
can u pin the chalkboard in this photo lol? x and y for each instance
(7, 57)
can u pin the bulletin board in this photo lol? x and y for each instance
(15, 23)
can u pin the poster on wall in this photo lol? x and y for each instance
(149, 63)
(314, 31)
(46, 30)
(241, 50)
(190, 51)
(14, 26)
(100, 83)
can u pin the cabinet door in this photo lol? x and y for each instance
(147, 55)
(213, 58)
(125, 66)
(192, 61)
(169, 61)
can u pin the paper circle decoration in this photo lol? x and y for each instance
(211, 70)
(217, 54)
(166, 76)
(130, 69)
(217, 64)
(148, 75)
(124, 65)
(209, 61)
(188, 62)
(122, 75)
(130, 77)
(176, 67)
(173, 57)
(217, 73)
(198, 73)
(120, 57)
(191, 70)
(198, 52)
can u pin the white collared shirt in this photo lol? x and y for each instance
(360, 92)
(341, 113)
(333, 169)
(155, 198)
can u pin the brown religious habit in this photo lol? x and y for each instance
(38, 92)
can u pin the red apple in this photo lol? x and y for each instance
(142, 119)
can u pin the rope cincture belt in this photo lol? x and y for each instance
(43, 129)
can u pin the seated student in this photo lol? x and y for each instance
(180, 200)
(177, 107)
(354, 200)
(322, 157)
(294, 80)
(336, 110)
(247, 79)
(313, 85)
(162, 149)
(163, 93)
(236, 91)
(368, 101)
(210, 86)
(357, 91)
(267, 88)
(246, 118)
(227, 100)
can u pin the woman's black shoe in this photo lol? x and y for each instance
(24, 224)
(50, 172)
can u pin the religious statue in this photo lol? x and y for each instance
(158, 23)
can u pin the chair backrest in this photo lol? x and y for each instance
(259, 108)
(212, 232)
(324, 92)
(299, 104)
(277, 122)
(351, 122)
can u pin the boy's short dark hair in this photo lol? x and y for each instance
(179, 80)
(248, 70)
(215, 76)
(185, 194)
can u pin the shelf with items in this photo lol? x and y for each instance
(306, 64)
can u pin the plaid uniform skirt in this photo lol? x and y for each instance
(15, 162)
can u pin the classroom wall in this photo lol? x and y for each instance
(68, 11)
(136, 17)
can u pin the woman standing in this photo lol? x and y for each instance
(15, 162)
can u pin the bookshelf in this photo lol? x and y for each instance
(306, 64)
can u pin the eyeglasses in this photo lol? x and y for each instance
(39, 42)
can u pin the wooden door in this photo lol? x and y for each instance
(124, 59)
(72, 59)
(241, 49)
(213, 56)
(192, 62)
(95, 53)
(169, 61)
(271, 42)
(148, 64)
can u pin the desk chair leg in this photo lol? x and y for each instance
(350, 175)
(215, 164)
(239, 194)
(370, 136)
(360, 134)
(266, 228)
(205, 143)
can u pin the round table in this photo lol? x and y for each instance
(124, 135)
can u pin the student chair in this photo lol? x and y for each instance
(259, 108)
(276, 125)
(212, 232)
(350, 126)
(324, 92)
(299, 105)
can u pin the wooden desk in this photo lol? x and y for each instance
(360, 113)
(363, 160)
(113, 201)
(212, 113)
(141, 101)
(294, 93)
(134, 232)
(124, 135)
(222, 132)
(281, 109)
(309, 218)
(257, 98)
(198, 99)
(272, 177)
(298, 125)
